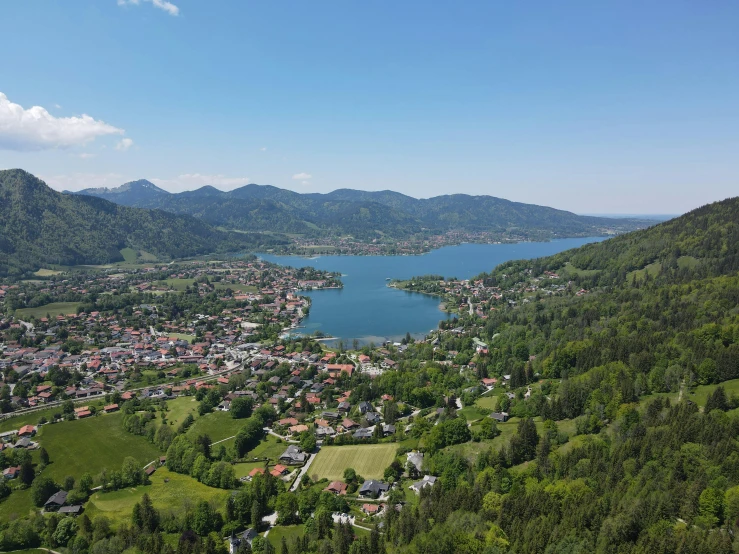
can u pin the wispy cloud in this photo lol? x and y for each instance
(124, 144)
(168, 7)
(36, 129)
(302, 176)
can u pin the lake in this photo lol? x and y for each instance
(368, 310)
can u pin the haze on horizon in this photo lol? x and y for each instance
(608, 108)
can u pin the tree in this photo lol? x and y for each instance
(393, 472)
(286, 507)
(27, 473)
(43, 488)
(145, 516)
(241, 407)
(717, 400)
(43, 456)
(65, 531)
(307, 441)
(131, 472)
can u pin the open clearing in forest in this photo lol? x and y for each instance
(368, 460)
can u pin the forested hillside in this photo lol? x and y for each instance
(364, 215)
(614, 337)
(39, 227)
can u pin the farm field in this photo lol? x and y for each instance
(168, 491)
(54, 309)
(368, 460)
(89, 445)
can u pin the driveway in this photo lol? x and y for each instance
(303, 471)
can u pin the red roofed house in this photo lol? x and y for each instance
(27, 431)
(336, 487)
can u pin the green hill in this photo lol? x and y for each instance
(39, 226)
(362, 214)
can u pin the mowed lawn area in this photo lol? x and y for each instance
(168, 491)
(55, 309)
(368, 460)
(89, 445)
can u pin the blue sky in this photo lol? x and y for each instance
(594, 107)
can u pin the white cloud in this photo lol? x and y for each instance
(168, 7)
(85, 155)
(36, 129)
(302, 176)
(124, 144)
(263, 148)
(305, 182)
(190, 181)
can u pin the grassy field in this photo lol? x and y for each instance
(270, 448)
(700, 394)
(235, 287)
(487, 402)
(129, 255)
(243, 469)
(54, 309)
(217, 425)
(287, 531)
(18, 504)
(89, 445)
(182, 336)
(471, 413)
(177, 284)
(177, 492)
(31, 418)
(570, 270)
(180, 407)
(368, 460)
(47, 273)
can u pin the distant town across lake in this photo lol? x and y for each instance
(368, 310)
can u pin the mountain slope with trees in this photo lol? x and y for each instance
(364, 215)
(39, 227)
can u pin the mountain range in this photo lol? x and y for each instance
(40, 227)
(362, 214)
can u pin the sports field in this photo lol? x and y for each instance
(368, 460)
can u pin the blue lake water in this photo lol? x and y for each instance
(368, 310)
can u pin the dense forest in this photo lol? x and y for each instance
(364, 215)
(39, 227)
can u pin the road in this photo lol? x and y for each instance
(303, 471)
